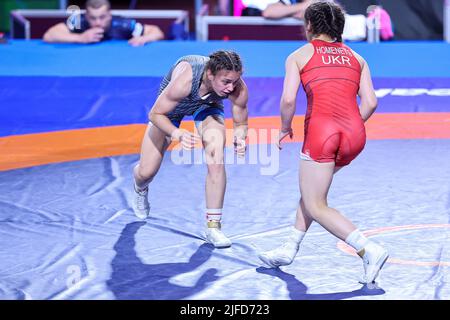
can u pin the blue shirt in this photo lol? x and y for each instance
(120, 28)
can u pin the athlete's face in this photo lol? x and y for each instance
(99, 18)
(224, 81)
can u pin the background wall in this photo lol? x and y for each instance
(412, 19)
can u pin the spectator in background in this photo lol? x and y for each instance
(275, 9)
(218, 7)
(255, 7)
(99, 24)
(286, 8)
(375, 13)
(223, 7)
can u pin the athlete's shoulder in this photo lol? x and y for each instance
(182, 72)
(194, 58)
(195, 61)
(358, 57)
(302, 55)
(180, 84)
(305, 49)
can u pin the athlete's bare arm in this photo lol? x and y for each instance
(289, 96)
(294, 64)
(239, 99)
(178, 88)
(366, 91)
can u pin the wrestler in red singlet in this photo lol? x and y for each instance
(334, 129)
(334, 132)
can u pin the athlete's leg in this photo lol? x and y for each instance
(304, 220)
(315, 181)
(154, 145)
(285, 254)
(212, 132)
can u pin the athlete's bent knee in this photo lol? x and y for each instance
(214, 155)
(146, 173)
(315, 208)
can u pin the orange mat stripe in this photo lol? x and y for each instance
(42, 148)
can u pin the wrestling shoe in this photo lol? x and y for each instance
(215, 236)
(141, 205)
(374, 256)
(281, 256)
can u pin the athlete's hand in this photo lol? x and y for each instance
(186, 138)
(239, 146)
(283, 134)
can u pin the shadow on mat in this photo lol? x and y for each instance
(132, 279)
(298, 291)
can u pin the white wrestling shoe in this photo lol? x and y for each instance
(215, 236)
(141, 205)
(281, 256)
(374, 256)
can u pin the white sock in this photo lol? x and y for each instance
(296, 235)
(356, 240)
(213, 214)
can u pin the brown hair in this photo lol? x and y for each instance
(327, 18)
(95, 4)
(224, 60)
